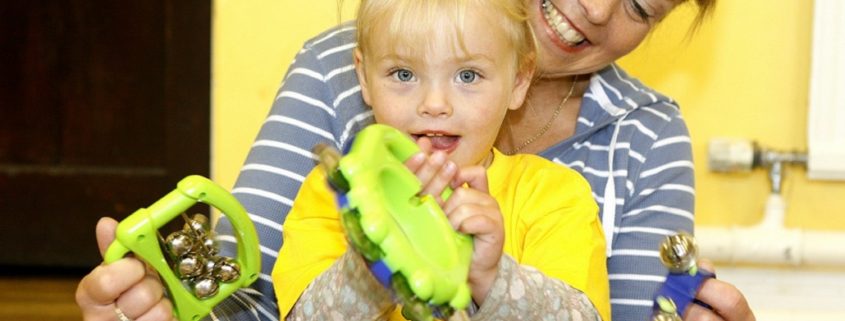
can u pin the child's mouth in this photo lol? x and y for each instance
(440, 141)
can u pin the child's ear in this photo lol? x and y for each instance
(362, 76)
(520, 88)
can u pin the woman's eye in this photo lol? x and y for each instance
(467, 76)
(640, 11)
(403, 75)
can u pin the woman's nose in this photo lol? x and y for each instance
(598, 12)
(435, 103)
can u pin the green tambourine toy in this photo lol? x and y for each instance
(195, 276)
(405, 238)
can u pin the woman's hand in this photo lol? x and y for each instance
(125, 286)
(727, 301)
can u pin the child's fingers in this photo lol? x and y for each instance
(430, 167)
(484, 223)
(465, 196)
(415, 162)
(474, 177)
(435, 174)
(440, 181)
(424, 143)
(418, 160)
(476, 220)
(457, 214)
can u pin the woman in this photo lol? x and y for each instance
(583, 111)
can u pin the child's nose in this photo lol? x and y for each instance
(435, 103)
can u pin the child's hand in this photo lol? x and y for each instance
(126, 283)
(470, 210)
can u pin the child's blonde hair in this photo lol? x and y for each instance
(408, 23)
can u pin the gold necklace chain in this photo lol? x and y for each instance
(548, 125)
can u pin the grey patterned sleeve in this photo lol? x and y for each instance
(346, 291)
(524, 293)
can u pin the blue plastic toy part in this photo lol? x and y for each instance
(681, 289)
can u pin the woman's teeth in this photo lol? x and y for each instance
(560, 26)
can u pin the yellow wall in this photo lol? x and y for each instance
(253, 42)
(744, 74)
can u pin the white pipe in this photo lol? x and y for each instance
(771, 243)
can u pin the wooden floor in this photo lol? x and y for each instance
(38, 298)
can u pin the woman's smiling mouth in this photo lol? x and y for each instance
(565, 33)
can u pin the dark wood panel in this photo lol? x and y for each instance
(104, 107)
(52, 218)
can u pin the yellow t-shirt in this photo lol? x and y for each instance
(550, 220)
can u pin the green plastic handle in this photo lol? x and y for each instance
(379, 137)
(138, 233)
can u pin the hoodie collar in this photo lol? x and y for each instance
(611, 94)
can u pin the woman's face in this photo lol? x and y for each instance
(583, 36)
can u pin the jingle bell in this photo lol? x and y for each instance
(678, 252)
(190, 265)
(211, 266)
(210, 246)
(205, 287)
(198, 224)
(667, 310)
(179, 243)
(227, 270)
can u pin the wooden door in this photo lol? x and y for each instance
(104, 106)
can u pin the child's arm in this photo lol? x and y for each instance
(346, 291)
(521, 292)
(314, 266)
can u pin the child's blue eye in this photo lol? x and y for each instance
(403, 75)
(467, 76)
